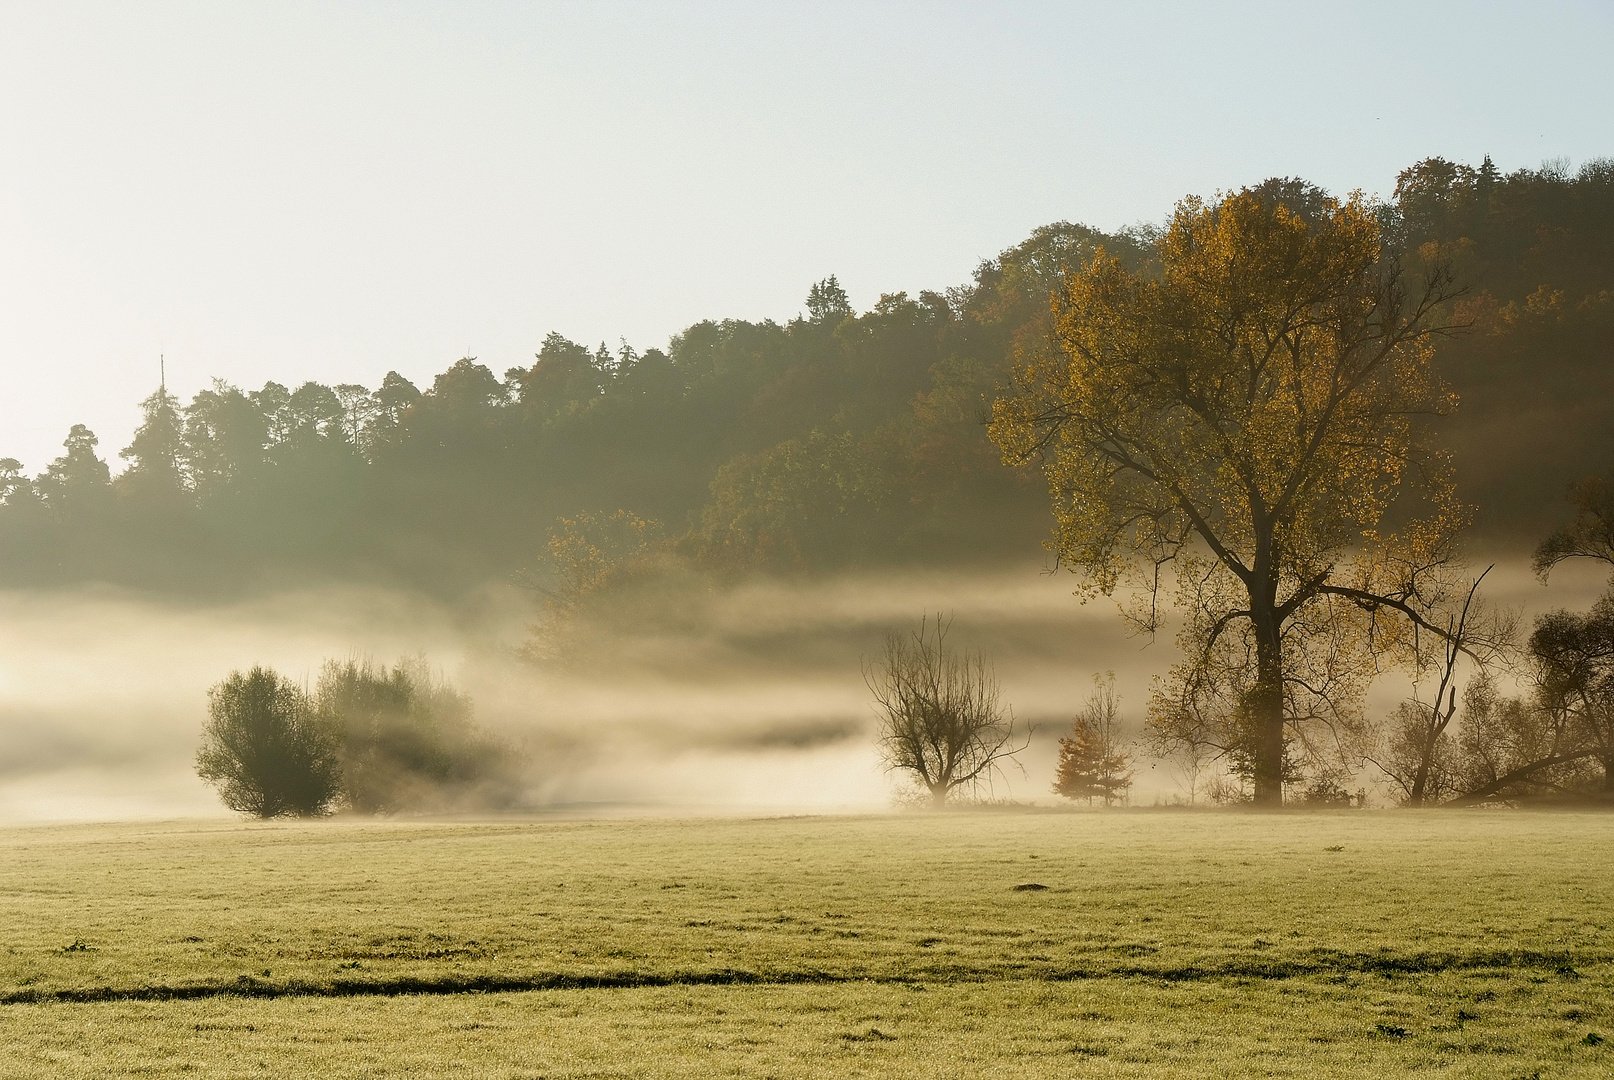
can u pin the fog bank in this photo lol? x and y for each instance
(678, 697)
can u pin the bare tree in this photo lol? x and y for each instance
(940, 714)
(1188, 761)
(1419, 751)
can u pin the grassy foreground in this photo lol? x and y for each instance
(1163, 944)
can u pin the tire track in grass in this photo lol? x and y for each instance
(1321, 963)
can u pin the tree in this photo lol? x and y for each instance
(393, 401)
(1513, 747)
(359, 410)
(564, 375)
(315, 416)
(1092, 761)
(15, 487)
(156, 455)
(1574, 657)
(226, 433)
(1574, 654)
(1243, 413)
(1589, 536)
(797, 498)
(1420, 752)
(79, 477)
(266, 748)
(407, 738)
(584, 555)
(940, 716)
(827, 302)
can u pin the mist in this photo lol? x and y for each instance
(675, 697)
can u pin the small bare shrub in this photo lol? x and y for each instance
(940, 716)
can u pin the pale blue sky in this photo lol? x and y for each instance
(298, 191)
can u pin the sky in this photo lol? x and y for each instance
(331, 191)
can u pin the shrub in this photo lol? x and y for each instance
(408, 741)
(940, 718)
(266, 748)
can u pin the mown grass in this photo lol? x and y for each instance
(1163, 944)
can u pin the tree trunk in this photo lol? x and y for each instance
(938, 796)
(1266, 716)
(1420, 782)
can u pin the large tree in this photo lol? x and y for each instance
(1243, 410)
(156, 456)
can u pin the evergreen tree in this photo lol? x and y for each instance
(157, 453)
(1093, 762)
(1484, 185)
(827, 302)
(79, 477)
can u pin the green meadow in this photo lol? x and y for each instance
(1142, 943)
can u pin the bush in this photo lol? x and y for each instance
(266, 748)
(407, 739)
(940, 719)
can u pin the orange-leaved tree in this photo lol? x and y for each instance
(1237, 418)
(1093, 762)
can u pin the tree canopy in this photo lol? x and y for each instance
(1242, 413)
(838, 437)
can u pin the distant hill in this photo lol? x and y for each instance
(838, 438)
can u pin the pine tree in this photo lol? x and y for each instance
(827, 302)
(156, 454)
(1093, 762)
(79, 478)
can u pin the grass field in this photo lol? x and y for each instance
(1163, 944)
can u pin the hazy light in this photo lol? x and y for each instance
(305, 191)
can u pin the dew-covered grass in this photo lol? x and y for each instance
(1162, 944)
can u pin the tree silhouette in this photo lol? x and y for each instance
(156, 455)
(79, 476)
(827, 302)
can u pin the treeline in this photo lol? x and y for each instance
(1534, 251)
(834, 438)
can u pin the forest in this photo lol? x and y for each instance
(835, 439)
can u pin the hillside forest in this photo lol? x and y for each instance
(839, 438)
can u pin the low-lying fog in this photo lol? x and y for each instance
(684, 699)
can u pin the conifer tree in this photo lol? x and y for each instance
(1093, 762)
(79, 477)
(156, 454)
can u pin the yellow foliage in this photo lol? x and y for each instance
(1246, 412)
